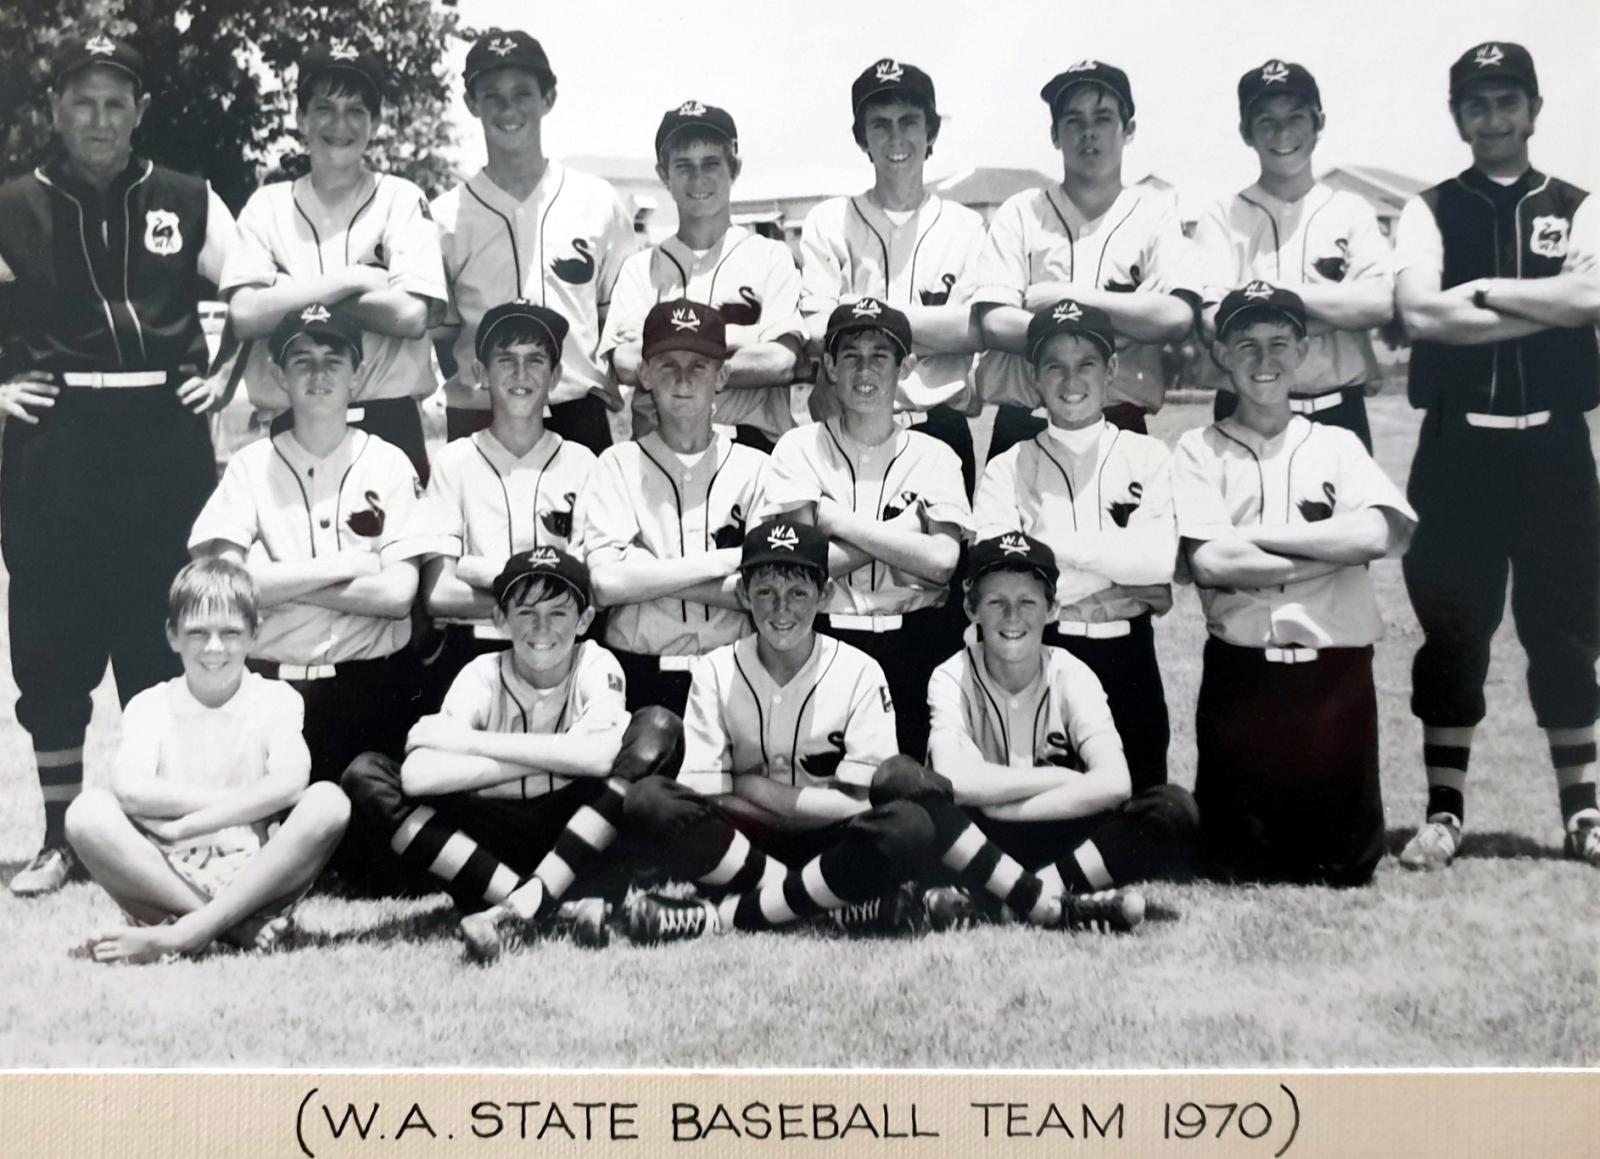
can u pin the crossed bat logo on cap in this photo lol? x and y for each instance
(101, 46)
(1258, 290)
(1068, 311)
(785, 537)
(867, 308)
(1082, 66)
(316, 312)
(1275, 72)
(1012, 543)
(1488, 56)
(543, 556)
(502, 46)
(685, 319)
(342, 51)
(889, 71)
(691, 109)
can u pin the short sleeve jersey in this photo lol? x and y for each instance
(489, 695)
(1047, 723)
(1039, 235)
(646, 500)
(910, 469)
(284, 232)
(753, 283)
(1125, 490)
(831, 725)
(1227, 476)
(849, 248)
(1327, 237)
(563, 247)
(167, 733)
(277, 499)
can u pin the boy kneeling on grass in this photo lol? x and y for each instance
(516, 785)
(1279, 518)
(187, 840)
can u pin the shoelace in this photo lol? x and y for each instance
(860, 913)
(676, 920)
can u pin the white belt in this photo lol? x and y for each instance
(849, 623)
(114, 378)
(1317, 402)
(1108, 630)
(488, 632)
(307, 671)
(677, 663)
(1509, 422)
(1289, 655)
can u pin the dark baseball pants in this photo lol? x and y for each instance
(1127, 668)
(908, 655)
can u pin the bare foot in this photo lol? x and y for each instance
(263, 935)
(136, 945)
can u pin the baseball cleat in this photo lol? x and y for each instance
(1107, 911)
(894, 912)
(47, 872)
(949, 907)
(1583, 841)
(1434, 846)
(652, 917)
(586, 920)
(483, 932)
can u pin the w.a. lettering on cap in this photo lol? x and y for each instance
(888, 70)
(502, 46)
(684, 319)
(1256, 301)
(787, 544)
(316, 312)
(867, 308)
(1067, 311)
(680, 324)
(1494, 60)
(1014, 543)
(1013, 551)
(691, 109)
(783, 537)
(1488, 55)
(544, 556)
(1274, 72)
(868, 314)
(1071, 317)
(1258, 289)
(101, 45)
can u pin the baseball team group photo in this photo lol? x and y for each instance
(474, 601)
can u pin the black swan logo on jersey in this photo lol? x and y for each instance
(939, 297)
(1135, 280)
(560, 522)
(824, 765)
(1315, 510)
(1059, 751)
(575, 271)
(1335, 266)
(1549, 238)
(161, 234)
(891, 511)
(745, 312)
(368, 523)
(1120, 511)
(731, 535)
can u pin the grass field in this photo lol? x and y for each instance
(1492, 963)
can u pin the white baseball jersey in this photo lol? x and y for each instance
(1326, 237)
(563, 248)
(831, 725)
(750, 279)
(909, 469)
(1227, 476)
(1122, 488)
(490, 502)
(284, 231)
(167, 733)
(275, 497)
(489, 695)
(1039, 235)
(1047, 723)
(645, 499)
(849, 248)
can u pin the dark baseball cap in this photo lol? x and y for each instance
(543, 318)
(77, 52)
(684, 325)
(1097, 72)
(1259, 300)
(892, 76)
(507, 48)
(544, 560)
(782, 541)
(1494, 60)
(868, 314)
(1274, 78)
(319, 322)
(1069, 317)
(695, 115)
(339, 58)
(1012, 551)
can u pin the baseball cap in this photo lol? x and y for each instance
(892, 76)
(1276, 77)
(684, 325)
(339, 57)
(542, 317)
(1069, 317)
(782, 541)
(1494, 60)
(542, 561)
(868, 314)
(507, 48)
(1098, 72)
(695, 115)
(1012, 550)
(78, 52)
(320, 322)
(1256, 300)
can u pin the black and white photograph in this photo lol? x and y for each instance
(1014, 536)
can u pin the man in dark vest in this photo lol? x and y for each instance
(107, 455)
(1497, 285)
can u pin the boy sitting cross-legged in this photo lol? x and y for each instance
(186, 840)
(517, 784)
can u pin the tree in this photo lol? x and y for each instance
(221, 80)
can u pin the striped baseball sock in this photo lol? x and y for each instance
(1572, 753)
(587, 835)
(736, 866)
(789, 895)
(1446, 752)
(428, 843)
(60, 781)
(980, 864)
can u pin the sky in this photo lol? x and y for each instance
(783, 69)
